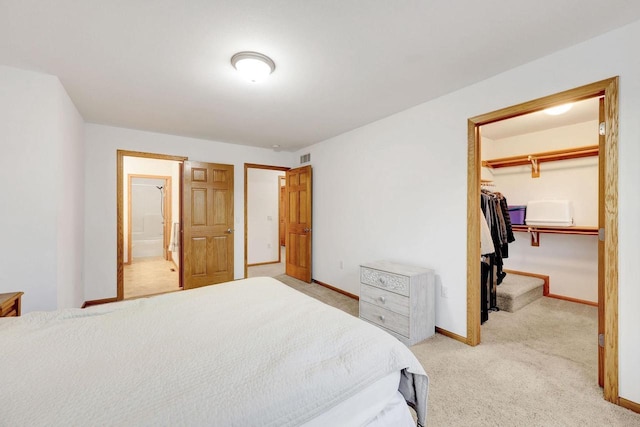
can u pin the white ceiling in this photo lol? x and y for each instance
(580, 112)
(164, 65)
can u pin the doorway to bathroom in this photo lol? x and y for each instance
(151, 202)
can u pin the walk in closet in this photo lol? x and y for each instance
(553, 161)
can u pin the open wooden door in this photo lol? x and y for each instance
(298, 223)
(207, 218)
(601, 246)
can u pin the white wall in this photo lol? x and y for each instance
(41, 167)
(102, 142)
(146, 166)
(263, 196)
(399, 184)
(570, 261)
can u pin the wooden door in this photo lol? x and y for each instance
(282, 206)
(601, 248)
(207, 217)
(298, 223)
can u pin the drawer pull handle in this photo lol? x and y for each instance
(382, 318)
(383, 299)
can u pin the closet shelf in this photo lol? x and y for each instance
(537, 158)
(535, 231)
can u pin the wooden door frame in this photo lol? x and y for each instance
(609, 160)
(282, 183)
(248, 166)
(166, 229)
(120, 154)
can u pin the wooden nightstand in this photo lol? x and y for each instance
(10, 304)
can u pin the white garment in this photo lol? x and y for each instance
(174, 244)
(486, 242)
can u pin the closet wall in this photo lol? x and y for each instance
(570, 261)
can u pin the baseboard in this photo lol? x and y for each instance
(579, 301)
(333, 288)
(263, 263)
(451, 335)
(98, 302)
(633, 406)
(545, 289)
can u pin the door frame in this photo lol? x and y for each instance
(282, 185)
(166, 228)
(248, 166)
(608, 160)
(120, 154)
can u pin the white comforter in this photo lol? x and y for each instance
(251, 352)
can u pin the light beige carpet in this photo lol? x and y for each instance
(535, 367)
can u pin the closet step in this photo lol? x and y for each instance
(516, 291)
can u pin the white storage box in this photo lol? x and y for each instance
(549, 213)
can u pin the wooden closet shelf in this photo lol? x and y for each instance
(536, 158)
(535, 231)
(591, 231)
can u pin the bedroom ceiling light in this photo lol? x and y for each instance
(253, 66)
(560, 109)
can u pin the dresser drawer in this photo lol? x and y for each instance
(385, 299)
(384, 280)
(385, 318)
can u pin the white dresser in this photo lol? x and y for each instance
(398, 298)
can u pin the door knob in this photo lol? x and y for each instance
(229, 230)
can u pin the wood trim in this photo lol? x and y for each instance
(451, 335)
(264, 263)
(547, 156)
(536, 275)
(577, 229)
(248, 166)
(338, 290)
(269, 167)
(635, 407)
(601, 248)
(473, 233)
(120, 154)
(282, 182)
(570, 299)
(608, 88)
(98, 302)
(610, 197)
(572, 95)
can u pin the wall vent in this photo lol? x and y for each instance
(305, 158)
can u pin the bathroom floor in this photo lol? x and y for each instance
(148, 276)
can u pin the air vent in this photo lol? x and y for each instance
(305, 158)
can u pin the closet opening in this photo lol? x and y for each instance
(563, 199)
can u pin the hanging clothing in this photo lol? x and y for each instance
(496, 212)
(495, 235)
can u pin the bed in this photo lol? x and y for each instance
(242, 353)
